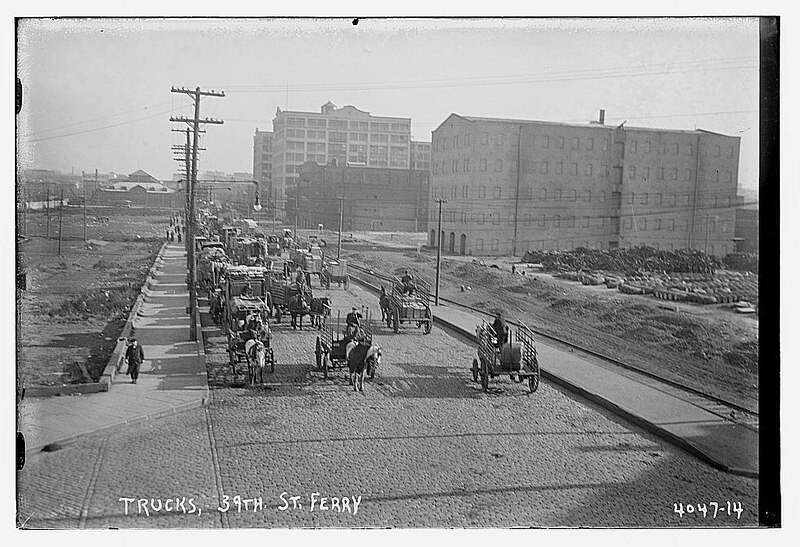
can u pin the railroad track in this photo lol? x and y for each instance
(725, 404)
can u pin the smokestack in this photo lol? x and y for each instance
(602, 116)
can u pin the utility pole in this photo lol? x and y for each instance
(194, 123)
(439, 250)
(83, 180)
(47, 206)
(60, 221)
(341, 211)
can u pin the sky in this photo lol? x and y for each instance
(97, 91)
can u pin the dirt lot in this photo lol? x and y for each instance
(710, 347)
(76, 304)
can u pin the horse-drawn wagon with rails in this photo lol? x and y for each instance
(334, 271)
(331, 345)
(401, 307)
(518, 357)
(309, 260)
(247, 284)
(249, 320)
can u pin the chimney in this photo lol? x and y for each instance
(602, 116)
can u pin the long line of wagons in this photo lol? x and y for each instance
(251, 280)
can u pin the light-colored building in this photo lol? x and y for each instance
(420, 155)
(514, 185)
(335, 136)
(372, 198)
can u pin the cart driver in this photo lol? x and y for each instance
(500, 329)
(247, 290)
(408, 283)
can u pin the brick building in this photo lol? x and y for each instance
(570, 185)
(335, 136)
(139, 189)
(373, 198)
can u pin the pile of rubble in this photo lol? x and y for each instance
(628, 261)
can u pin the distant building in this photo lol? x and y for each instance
(335, 136)
(139, 189)
(420, 156)
(374, 198)
(514, 185)
(747, 222)
(262, 164)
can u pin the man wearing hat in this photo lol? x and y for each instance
(353, 318)
(135, 356)
(500, 329)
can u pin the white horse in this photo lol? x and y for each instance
(256, 357)
(362, 359)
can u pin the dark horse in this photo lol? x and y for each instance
(320, 308)
(299, 305)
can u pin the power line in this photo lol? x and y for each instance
(40, 139)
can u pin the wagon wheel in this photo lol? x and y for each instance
(484, 375)
(396, 320)
(429, 322)
(475, 368)
(533, 379)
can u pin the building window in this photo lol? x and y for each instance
(601, 197)
(545, 141)
(499, 139)
(557, 196)
(455, 166)
(643, 199)
(588, 196)
(467, 139)
(632, 172)
(560, 142)
(457, 142)
(657, 225)
(573, 169)
(662, 148)
(558, 221)
(646, 173)
(676, 148)
(604, 170)
(495, 244)
(544, 167)
(589, 144)
(604, 145)
(542, 221)
(483, 164)
(497, 192)
(687, 175)
(543, 194)
(481, 192)
(435, 168)
(632, 147)
(575, 143)
(674, 175)
(628, 223)
(495, 218)
(689, 149)
(466, 165)
(588, 170)
(646, 147)
(498, 165)
(484, 138)
(728, 176)
(559, 167)
(731, 151)
(573, 195)
(716, 151)
(445, 143)
(660, 173)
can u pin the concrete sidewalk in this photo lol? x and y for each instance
(171, 379)
(724, 444)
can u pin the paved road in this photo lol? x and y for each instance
(422, 446)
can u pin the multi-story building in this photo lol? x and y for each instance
(335, 136)
(372, 198)
(514, 185)
(420, 155)
(262, 164)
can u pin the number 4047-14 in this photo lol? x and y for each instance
(711, 509)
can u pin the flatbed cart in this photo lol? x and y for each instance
(518, 357)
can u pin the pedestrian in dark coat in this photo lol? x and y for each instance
(135, 356)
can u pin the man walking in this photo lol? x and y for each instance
(135, 357)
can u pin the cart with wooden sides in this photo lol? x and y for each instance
(331, 345)
(243, 310)
(517, 358)
(414, 308)
(334, 271)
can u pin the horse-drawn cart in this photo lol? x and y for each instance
(240, 329)
(402, 307)
(517, 358)
(335, 271)
(331, 347)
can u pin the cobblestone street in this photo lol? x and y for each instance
(421, 446)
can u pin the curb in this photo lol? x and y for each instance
(115, 361)
(176, 409)
(673, 439)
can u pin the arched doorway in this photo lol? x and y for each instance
(462, 248)
(432, 238)
(452, 246)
